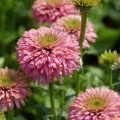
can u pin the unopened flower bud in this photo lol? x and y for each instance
(110, 58)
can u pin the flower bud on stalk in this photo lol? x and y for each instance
(110, 59)
(80, 4)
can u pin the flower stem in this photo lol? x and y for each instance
(51, 89)
(110, 78)
(82, 35)
(77, 82)
(83, 27)
(10, 114)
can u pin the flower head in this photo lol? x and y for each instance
(95, 104)
(110, 58)
(45, 53)
(85, 3)
(118, 62)
(50, 10)
(72, 25)
(13, 86)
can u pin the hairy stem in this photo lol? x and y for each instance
(83, 27)
(82, 35)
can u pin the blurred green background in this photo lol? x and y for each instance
(16, 17)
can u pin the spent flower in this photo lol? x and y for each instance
(45, 53)
(95, 104)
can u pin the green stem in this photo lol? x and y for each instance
(83, 27)
(62, 97)
(51, 89)
(77, 82)
(10, 114)
(82, 35)
(110, 78)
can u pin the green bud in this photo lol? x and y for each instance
(110, 58)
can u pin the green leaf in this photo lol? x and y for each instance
(70, 93)
(64, 109)
(106, 39)
(2, 59)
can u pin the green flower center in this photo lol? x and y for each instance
(48, 39)
(95, 104)
(72, 24)
(53, 1)
(5, 81)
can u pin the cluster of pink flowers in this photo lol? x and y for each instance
(95, 104)
(50, 10)
(13, 86)
(45, 53)
(72, 25)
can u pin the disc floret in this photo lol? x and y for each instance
(72, 24)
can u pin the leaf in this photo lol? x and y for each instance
(2, 59)
(70, 93)
(106, 39)
(19, 118)
(65, 107)
(9, 37)
(116, 87)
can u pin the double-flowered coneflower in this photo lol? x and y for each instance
(95, 104)
(118, 62)
(45, 53)
(72, 25)
(50, 10)
(13, 87)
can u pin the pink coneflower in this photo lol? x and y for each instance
(50, 10)
(13, 86)
(72, 25)
(95, 104)
(45, 53)
(118, 62)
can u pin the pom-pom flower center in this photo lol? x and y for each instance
(5, 81)
(96, 104)
(48, 39)
(72, 24)
(54, 2)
